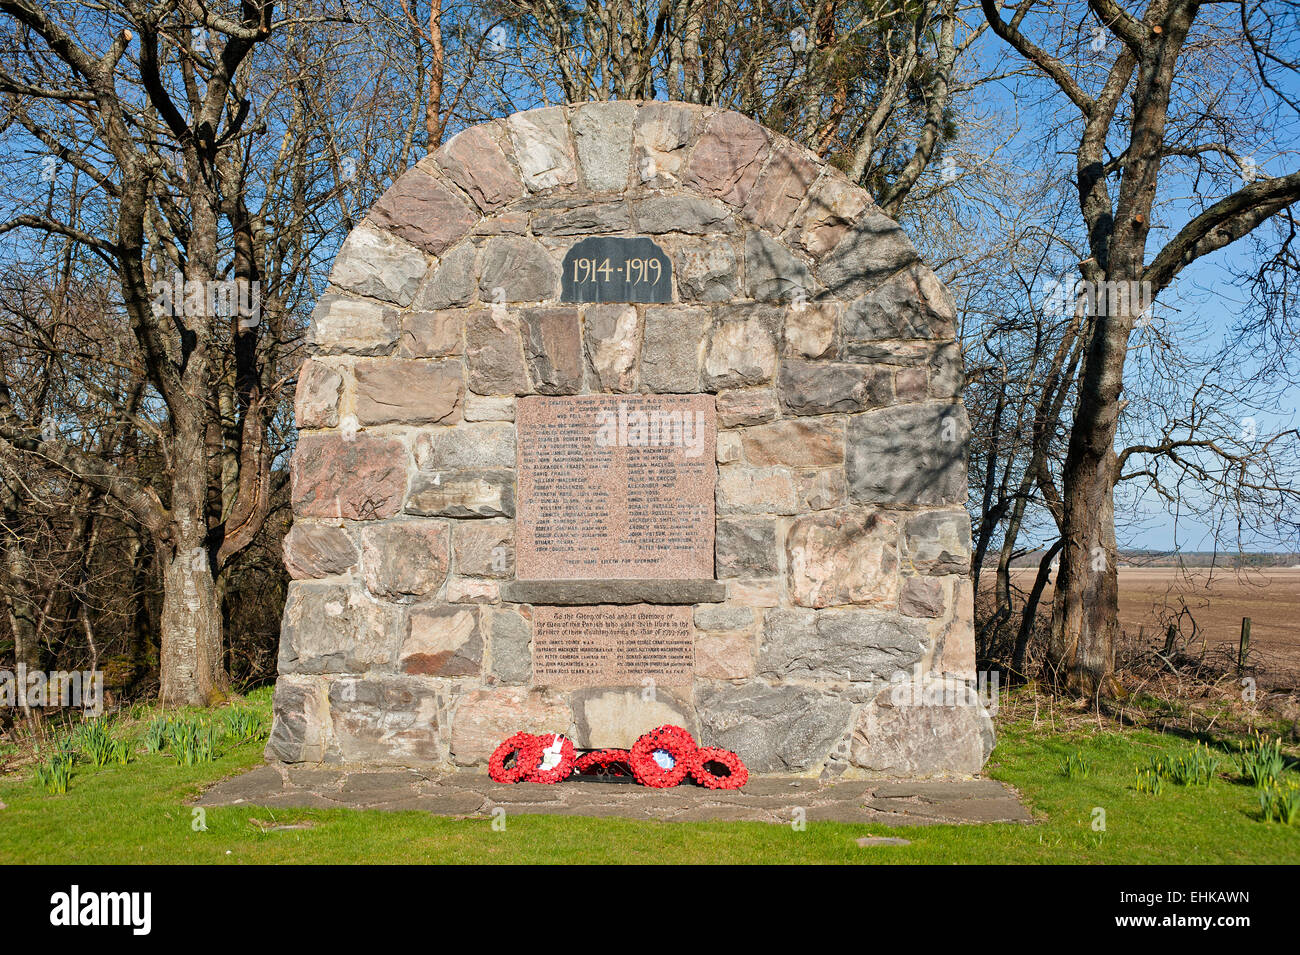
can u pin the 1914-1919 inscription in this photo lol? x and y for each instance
(612, 269)
(615, 487)
(612, 646)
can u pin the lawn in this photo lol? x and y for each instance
(137, 813)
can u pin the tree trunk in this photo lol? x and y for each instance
(193, 671)
(1084, 624)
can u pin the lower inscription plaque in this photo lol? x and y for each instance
(612, 646)
(615, 487)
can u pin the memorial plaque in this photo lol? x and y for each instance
(612, 646)
(615, 487)
(609, 269)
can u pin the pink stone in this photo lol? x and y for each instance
(958, 657)
(781, 187)
(316, 402)
(423, 211)
(351, 477)
(727, 158)
(404, 558)
(409, 391)
(724, 656)
(475, 161)
(796, 443)
(437, 334)
(843, 557)
(486, 717)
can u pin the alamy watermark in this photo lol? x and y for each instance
(80, 689)
(1062, 297)
(220, 298)
(912, 689)
(676, 428)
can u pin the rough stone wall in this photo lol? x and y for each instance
(841, 540)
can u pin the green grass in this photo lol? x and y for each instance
(136, 813)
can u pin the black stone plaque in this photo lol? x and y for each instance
(608, 269)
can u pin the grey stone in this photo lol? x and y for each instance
(553, 349)
(404, 557)
(541, 144)
(938, 542)
(741, 350)
(909, 454)
(745, 547)
(567, 593)
(873, 249)
(673, 349)
(341, 325)
(662, 132)
(660, 214)
(859, 646)
(722, 618)
(494, 354)
(318, 550)
(822, 387)
(316, 399)
(300, 721)
(780, 728)
(911, 304)
(591, 218)
(922, 729)
(328, 628)
(602, 134)
(512, 660)
(946, 374)
(378, 265)
(773, 273)
(614, 718)
(391, 720)
(466, 447)
(481, 493)
(707, 270)
(453, 281)
(516, 269)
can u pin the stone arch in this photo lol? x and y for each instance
(841, 546)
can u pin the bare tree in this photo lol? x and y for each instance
(1131, 77)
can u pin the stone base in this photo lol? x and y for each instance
(776, 799)
(935, 727)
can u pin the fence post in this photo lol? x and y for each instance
(1244, 648)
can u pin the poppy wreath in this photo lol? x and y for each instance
(515, 758)
(562, 769)
(604, 762)
(673, 740)
(717, 768)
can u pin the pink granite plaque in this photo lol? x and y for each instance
(615, 487)
(612, 646)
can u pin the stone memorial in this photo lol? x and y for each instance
(626, 413)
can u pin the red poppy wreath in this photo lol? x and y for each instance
(603, 762)
(662, 757)
(556, 762)
(515, 758)
(718, 768)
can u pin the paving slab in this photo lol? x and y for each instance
(770, 799)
